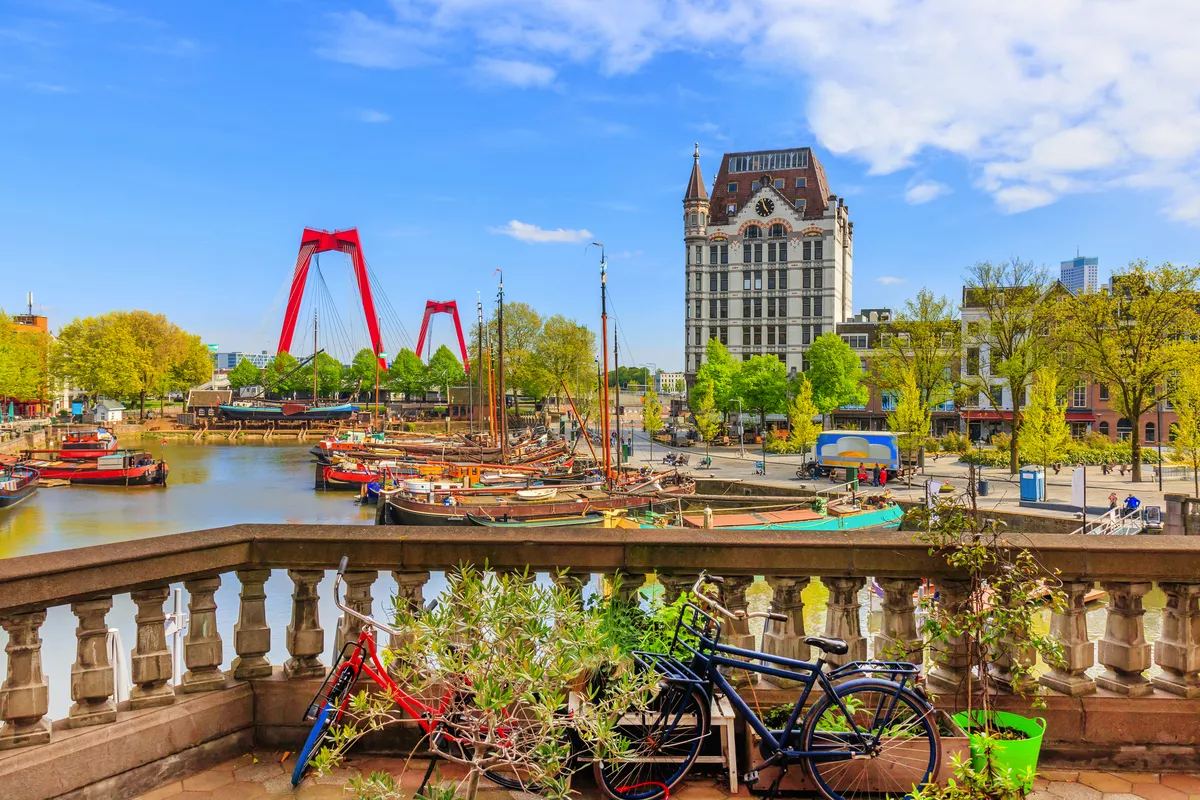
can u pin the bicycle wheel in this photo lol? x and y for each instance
(901, 748)
(327, 718)
(663, 742)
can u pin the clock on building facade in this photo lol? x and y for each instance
(765, 207)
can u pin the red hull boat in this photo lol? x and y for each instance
(123, 468)
(87, 444)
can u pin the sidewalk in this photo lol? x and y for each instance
(266, 774)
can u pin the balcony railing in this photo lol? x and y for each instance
(1121, 699)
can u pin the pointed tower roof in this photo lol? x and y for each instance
(695, 189)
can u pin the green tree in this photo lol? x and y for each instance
(523, 372)
(708, 421)
(1185, 446)
(1044, 427)
(1009, 337)
(98, 355)
(762, 385)
(192, 366)
(329, 376)
(835, 372)
(911, 420)
(281, 376)
(361, 373)
(801, 411)
(627, 375)
(445, 370)
(408, 375)
(244, 374)
(923, 340)
(565, 350)
(652, 421)
(719, 370)
(24, 362)
(1134, 338)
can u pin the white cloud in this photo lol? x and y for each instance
(521, 74)
(371, 115)
(1040, 98)
(925, 191)
(533, 234)
(890, 280)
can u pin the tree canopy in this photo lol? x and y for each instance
(445, 370)
(24, 362)
(718, 371)
(801, 411)
(921, 343)
(835, 372)
(911, 419)
(244, 374)
(408, 375)
(1044, 428)
(565, 351)
(360, 374)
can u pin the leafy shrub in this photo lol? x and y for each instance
(1077, 453)
(955, 442)
(1002, 441)
(779, 442)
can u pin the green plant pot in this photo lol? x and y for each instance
(1017, 755)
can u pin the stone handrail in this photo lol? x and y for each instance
(87, 578)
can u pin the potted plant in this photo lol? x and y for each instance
(989, 622)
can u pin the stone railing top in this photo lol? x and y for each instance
(49, 579)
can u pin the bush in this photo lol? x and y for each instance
(1002, 441)
(955, 442)
(1077, 453)
(779, 442)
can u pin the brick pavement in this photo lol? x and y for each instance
(263, 774)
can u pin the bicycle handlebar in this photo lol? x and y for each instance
(712, 602)
(337, 601)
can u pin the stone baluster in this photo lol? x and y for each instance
(1177, 651)
(571, 581)
(1123, 650)
(202, 650)
(357, 597)
(1079, 653)
(786, 639)
(410, 593)
(736, 632)
(25, 695)
(898, 638)
(950, 670)
(1010, 667)
(252, 634)
(676, 583)
(841, 620)
(305, 637)
(92, 674)
(629, 586)
(150, 663)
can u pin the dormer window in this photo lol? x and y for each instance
(754, 232)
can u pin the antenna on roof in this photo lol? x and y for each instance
(29, 297)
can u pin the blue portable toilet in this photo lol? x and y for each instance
(1033, 484)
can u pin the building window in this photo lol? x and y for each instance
(779, 184)
(1150, 433)
(758, 308)
(806, 278)
(816, 330)
(807, 251)
(770, 306)
(858, 341)
(687, 256)
(702, 219)
(997, 395)
(770, 335)
(817, 307)
(712, 281)
(724, 281)
(819, 278)
(800, 203)
(972, 361)
(818, 250)
(801, 183)
(747, 277)
(724, 335)
(754, 232)
(745, 356)
(887, 400)
(745, 307)
(770, 279)
(698, 315)
(781, 306)
(804, 334)
(806, 306)
(746, 250)
(724, 254)
(695, 218)
(731, 209)
(757, 253)
(754, 186)
(757, 336)
(771, 251)
(783, 334)
(745, 336)
(777, 229)
(1079, 396)
(712, 254)
(783, 279)
(712, 309)
(1124, 429)
(1104, 391)
(783, 251)
(699, 254)
(1104, 428)
(758, 280)
(731, 188)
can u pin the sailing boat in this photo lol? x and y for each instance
(312, 412)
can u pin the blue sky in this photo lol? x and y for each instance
(167, 155)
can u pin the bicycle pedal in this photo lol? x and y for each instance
(750, 777)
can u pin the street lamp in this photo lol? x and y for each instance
(1158, 435)
(741, 429)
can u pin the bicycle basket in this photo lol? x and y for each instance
(697, 633)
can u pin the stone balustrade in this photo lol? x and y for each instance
(1119, 665)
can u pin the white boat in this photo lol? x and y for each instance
(544, 493)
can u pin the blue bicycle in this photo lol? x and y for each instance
(869, 733)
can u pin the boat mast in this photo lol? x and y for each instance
(314, 362)
(479, 360)
(617, 402)
(605, 421)
(503, 410)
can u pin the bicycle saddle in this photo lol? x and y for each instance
(836, 646)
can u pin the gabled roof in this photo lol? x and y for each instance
(111, 405)
(753, 166)
(208, 398)
(695, 188)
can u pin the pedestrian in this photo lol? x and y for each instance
(883, 477)
(875, 475)
(862, 476)
(1121, 469)
(1112, 501)
(1131, 503)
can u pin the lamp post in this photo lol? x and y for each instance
(741, 430)
(1158, 435)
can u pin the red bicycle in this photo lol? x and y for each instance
(359, 658)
